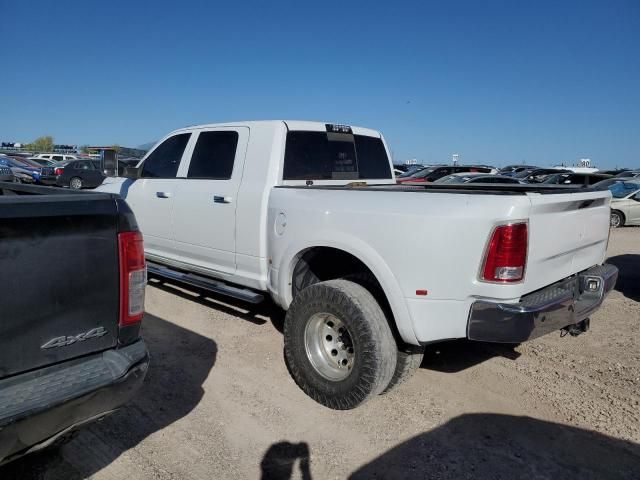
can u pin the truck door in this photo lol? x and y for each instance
(204, 210)
(151, 197)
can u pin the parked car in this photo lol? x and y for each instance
(22, 172)
(617, 171)
(431, 174)
(74, 174)
(625, 205)
(411, 170)
(6, 175)
(516, 168)
(629, 174)
(538, 175)
(43, 162)
(579, 179)
(78, 356)
(57, 157)
(253, 209)
(474, 177)
(405, 167)
(605, 184)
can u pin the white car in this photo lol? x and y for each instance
(368, 271)
(57, 157)
(625, 205)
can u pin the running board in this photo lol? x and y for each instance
(205, 283)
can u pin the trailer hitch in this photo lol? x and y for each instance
(575, 329)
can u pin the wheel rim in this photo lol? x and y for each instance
(329, 346)
(76, 183)
(615, 220)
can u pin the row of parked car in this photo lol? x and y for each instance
(73, 171)
(511, 174)
(624, 184)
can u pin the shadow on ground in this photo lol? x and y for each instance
(280, 460)
(180, 362)
(488, 446)
(629, 275)
(458, 355)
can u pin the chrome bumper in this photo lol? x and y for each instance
(564, 303)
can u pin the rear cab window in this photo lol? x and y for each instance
(337, 155)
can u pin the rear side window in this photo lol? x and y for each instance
(57, 158)
(164, 161)
(334, 156)
(213, 155)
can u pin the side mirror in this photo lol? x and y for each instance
(131, 172)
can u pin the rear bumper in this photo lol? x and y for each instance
(38, 407)
(554, 307)
(49, 179)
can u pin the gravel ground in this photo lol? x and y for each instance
(218, 403)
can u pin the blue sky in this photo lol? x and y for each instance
(497, 81)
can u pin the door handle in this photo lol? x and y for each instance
(163, 194)
(221, 199)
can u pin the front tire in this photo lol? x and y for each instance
(75, 183)
(338, 345)
(617, 219)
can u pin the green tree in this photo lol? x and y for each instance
(116, 147)
(42, 144)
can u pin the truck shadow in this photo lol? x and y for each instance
(180, 363)
(457, 355)
(496, 446)
(451, 356)
(629, 275)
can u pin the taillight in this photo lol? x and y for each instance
(58, 171)
(506, 256)
(133, 277)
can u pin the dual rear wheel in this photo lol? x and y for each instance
(339, 345)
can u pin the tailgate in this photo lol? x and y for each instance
(568, 233)
(59, 285)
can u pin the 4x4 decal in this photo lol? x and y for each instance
(70, 340)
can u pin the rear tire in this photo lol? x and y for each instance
(408, 360)
(617, 219)
(75, 183)
(360, 365)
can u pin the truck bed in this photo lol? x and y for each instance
(467, 189)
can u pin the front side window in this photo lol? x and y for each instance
(57, 158)
(164, 161)
(213, 155)
(334, 156)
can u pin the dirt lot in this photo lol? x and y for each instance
(218, 403)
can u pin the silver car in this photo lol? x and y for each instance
(625, 204)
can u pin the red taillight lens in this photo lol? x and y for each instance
(133, 277)
(506, 256)
(58, 171)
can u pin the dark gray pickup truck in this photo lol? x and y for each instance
(72, 280)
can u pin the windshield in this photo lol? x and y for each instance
(424, 172)
(523, 173)
(622, 189)
(454, 179)
(410, 172)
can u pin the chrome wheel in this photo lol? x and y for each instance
(615, 220)
(329, 346)
(75, 183)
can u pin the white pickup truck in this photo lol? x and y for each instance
(369, 272)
